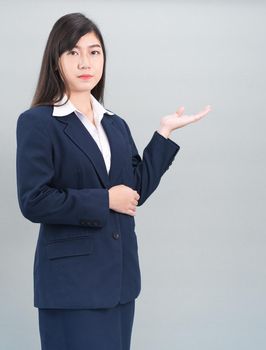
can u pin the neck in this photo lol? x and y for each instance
(82, 102)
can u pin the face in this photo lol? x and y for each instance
(82, 66)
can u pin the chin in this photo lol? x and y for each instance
(83, 89)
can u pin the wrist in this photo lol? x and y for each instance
(164, 132)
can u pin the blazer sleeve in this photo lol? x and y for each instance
(38, 200)
(157, 157)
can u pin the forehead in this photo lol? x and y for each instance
(88, 39)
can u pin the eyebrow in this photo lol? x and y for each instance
(93, 45)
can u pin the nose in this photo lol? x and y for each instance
(84, 62)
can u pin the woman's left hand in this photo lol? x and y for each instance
(176, 120)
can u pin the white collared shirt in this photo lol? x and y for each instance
(98, 133)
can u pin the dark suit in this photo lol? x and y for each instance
(86, 254)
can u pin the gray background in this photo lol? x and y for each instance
(201, 234)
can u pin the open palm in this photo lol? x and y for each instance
(178, 120)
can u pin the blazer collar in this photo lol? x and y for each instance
(60, 109)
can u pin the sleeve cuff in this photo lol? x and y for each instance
(164, 139)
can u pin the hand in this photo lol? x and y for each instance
(176, 120)
(123, 199)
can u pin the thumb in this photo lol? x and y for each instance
(180, 110)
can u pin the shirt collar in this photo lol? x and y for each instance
(61, 111)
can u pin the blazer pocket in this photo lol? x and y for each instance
(69, 247)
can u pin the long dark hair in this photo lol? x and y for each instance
(64, 35)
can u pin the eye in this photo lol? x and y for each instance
(72, 52)
(98, 52)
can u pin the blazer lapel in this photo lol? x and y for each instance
(79, 135)
(118, 147)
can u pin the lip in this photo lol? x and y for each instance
(85, 76)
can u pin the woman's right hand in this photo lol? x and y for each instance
(123, 199)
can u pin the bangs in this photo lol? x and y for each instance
(71, 37)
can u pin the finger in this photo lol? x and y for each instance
(131, 212)
(180, 110)
(205, 110)
(192, 118)
(201, 114)
(132, 207)
(137, 196)
(134, 201)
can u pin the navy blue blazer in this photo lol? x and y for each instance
(86, 254)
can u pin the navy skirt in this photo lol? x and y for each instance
(87, 329)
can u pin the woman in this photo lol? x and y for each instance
(80, 176)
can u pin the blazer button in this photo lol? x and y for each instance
(116, 235)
